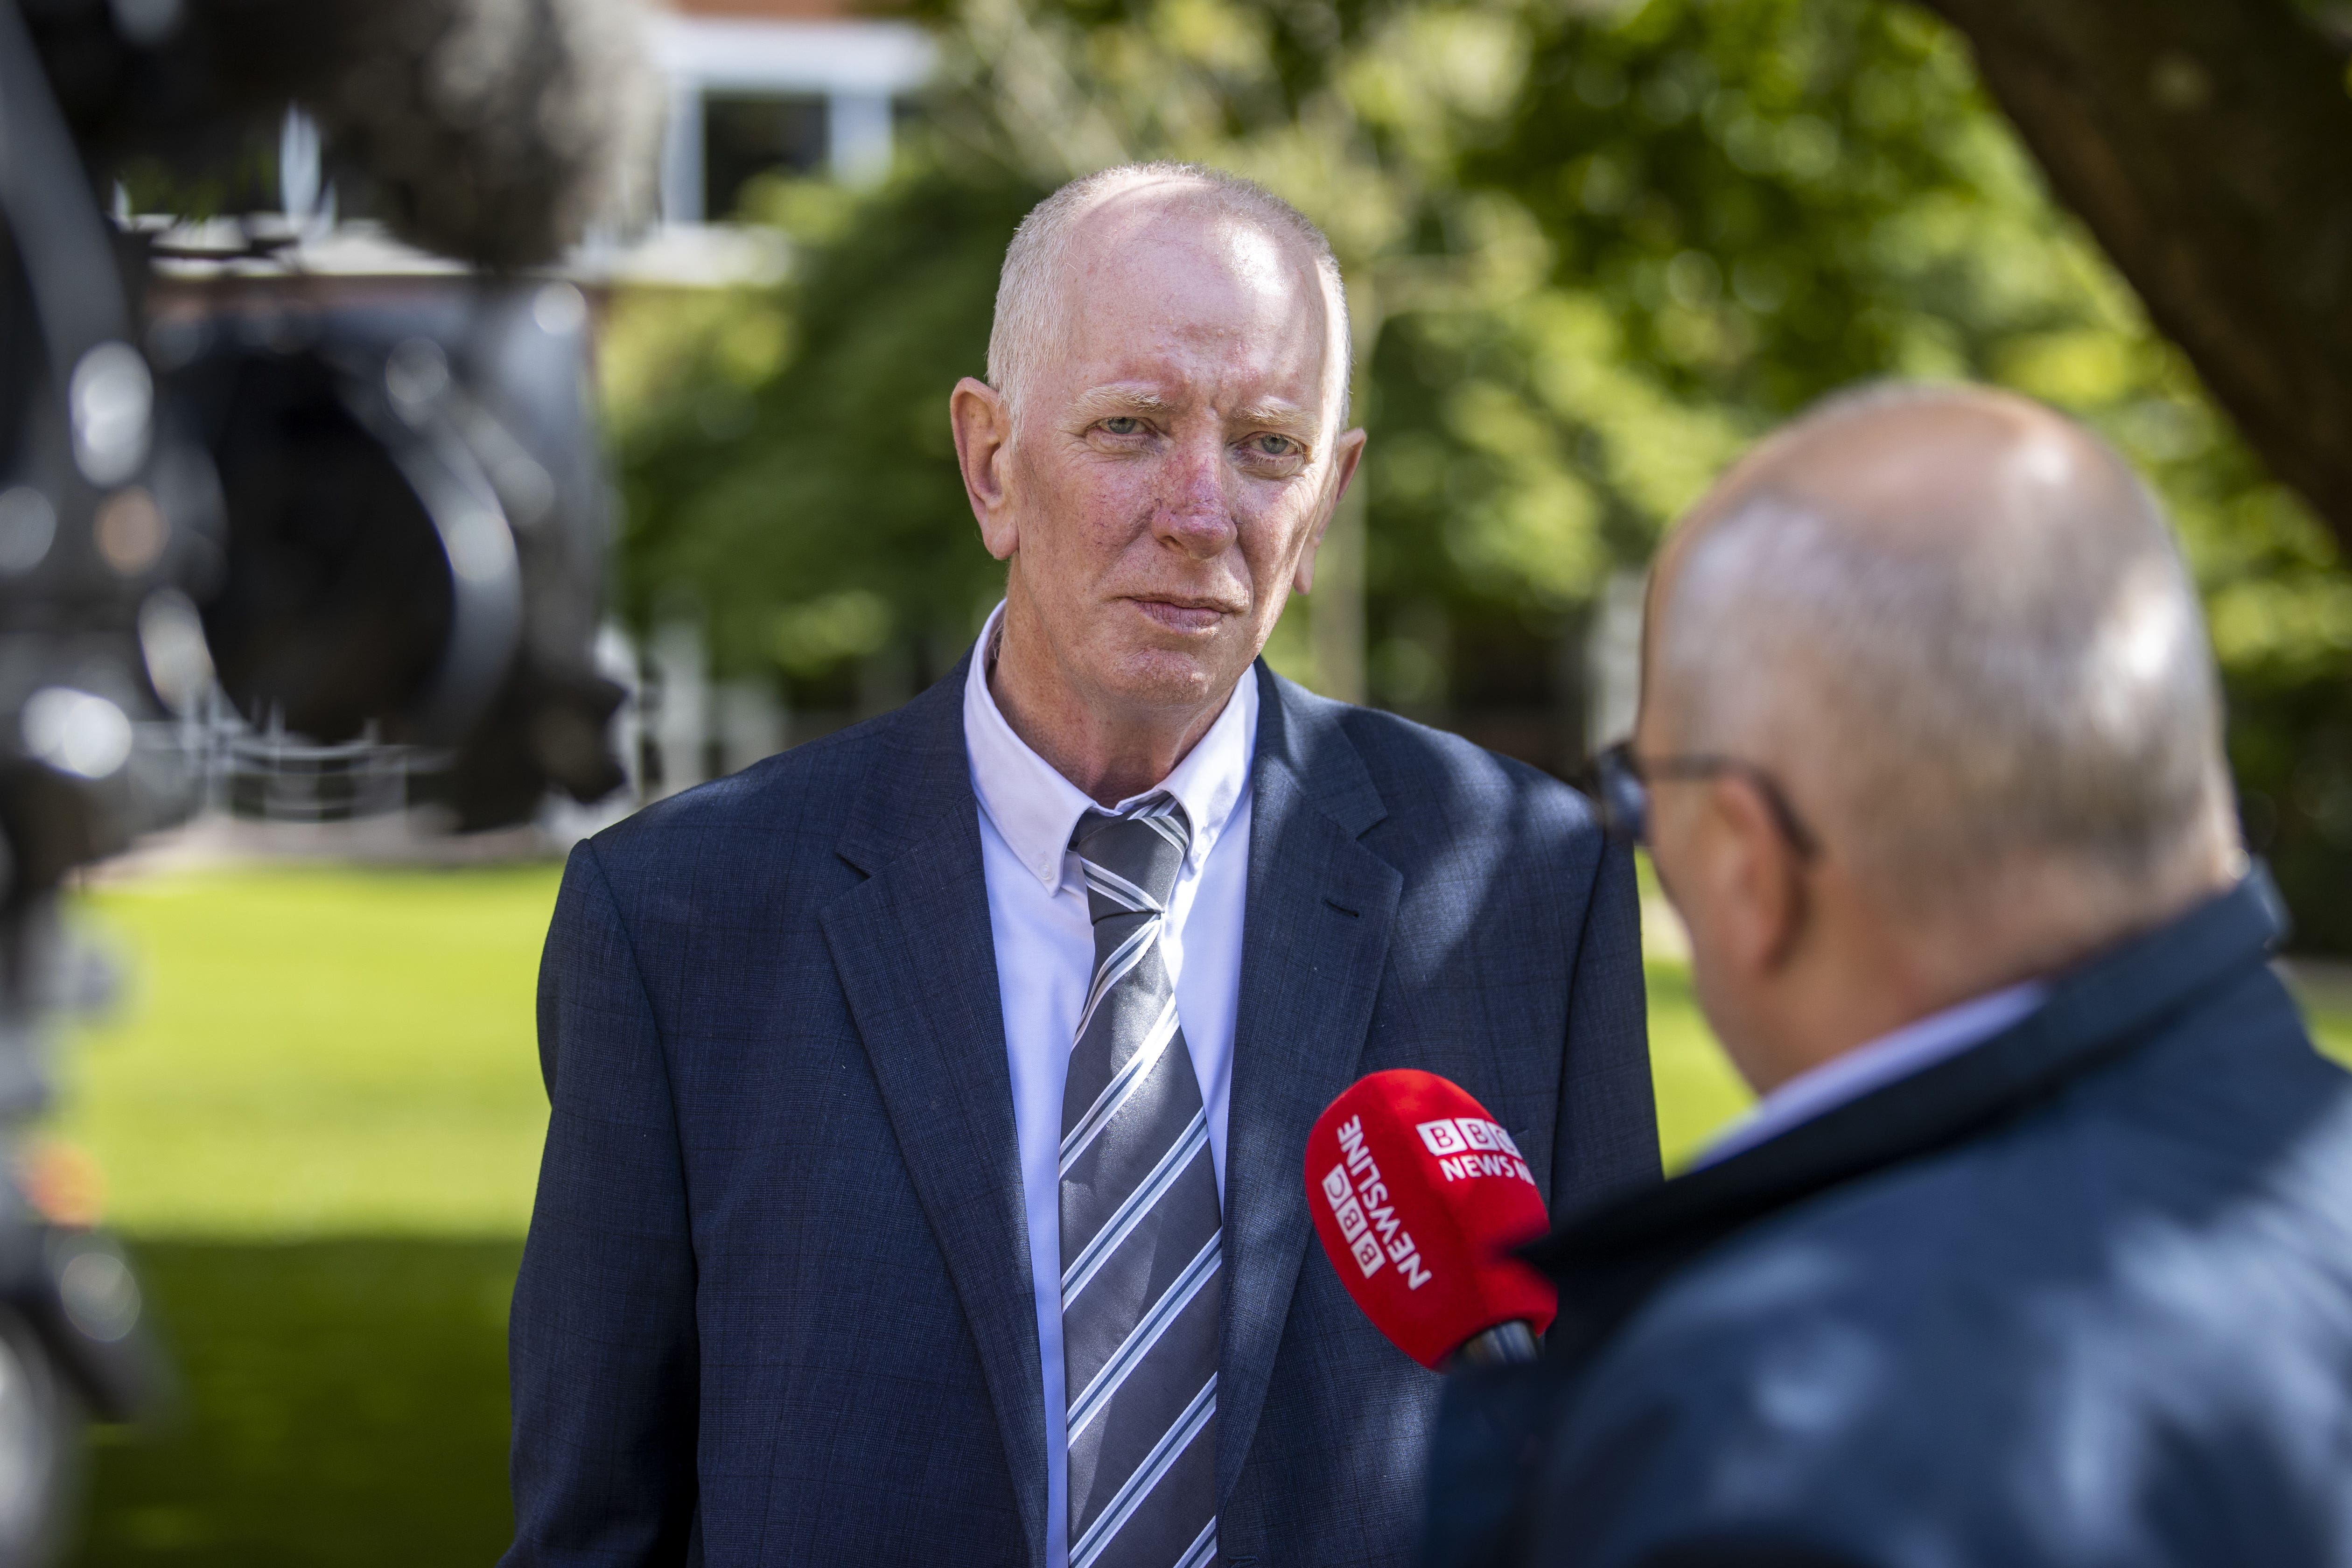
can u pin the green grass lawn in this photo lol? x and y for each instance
(306, 1051)
(318, 1112)
(343, 1405)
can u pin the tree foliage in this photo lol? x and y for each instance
(1591, 252)
(785, 461)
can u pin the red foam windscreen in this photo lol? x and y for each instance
(1419, 1196)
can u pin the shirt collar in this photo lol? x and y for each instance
(1898, 1054)
(1036, 809)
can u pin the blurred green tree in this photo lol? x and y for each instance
(786, 470)
(1777, 197)
(1591, 249)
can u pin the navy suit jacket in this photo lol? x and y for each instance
(2078, 1298)
(775, 1307)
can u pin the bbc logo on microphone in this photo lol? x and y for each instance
(1366, 1211)
(1471, 1146)
(1354, 1228)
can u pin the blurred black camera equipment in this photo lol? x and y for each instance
(410, 517)
(368, 516)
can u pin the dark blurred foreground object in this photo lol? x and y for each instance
(374, 518)
(2072, 1296)
(2204, 146)
(365, 517)
(413, 518)
(491, 130)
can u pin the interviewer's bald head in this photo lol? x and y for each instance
(1957, 627)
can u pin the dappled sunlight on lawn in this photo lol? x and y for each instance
(317, 1051)
(319, 1114)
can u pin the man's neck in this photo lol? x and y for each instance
(1880, 970)
(1110, 756)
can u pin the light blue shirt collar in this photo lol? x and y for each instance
(1037, 809)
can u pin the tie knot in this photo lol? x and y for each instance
(1131, 860)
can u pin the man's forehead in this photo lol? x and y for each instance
(1187, 254)
(1151, 296)
(1171, 212)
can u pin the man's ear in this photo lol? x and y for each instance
(1346, 454)
(1757, 877)
(983, 442)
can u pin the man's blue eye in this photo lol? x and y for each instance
(1122, 424)
(1274, 446)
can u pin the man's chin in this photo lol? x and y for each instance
(1175, 677)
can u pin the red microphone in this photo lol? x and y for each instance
(1419, 1196)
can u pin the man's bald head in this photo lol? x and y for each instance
(1033, 294)
(1957, 627)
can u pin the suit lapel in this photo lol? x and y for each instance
(913, 948)
(1316, 935)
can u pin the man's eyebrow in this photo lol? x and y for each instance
(1106, 401)
(1288, 418)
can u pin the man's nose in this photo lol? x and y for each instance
(1195, 511)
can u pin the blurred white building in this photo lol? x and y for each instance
(755, 87)
(810, 85)
(759, 86)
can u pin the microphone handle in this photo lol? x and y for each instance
(1505, 1344)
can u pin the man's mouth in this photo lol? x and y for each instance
(1190, 616)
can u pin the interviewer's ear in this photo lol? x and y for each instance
(1753, 878)
(1346, 454)
(983, 441)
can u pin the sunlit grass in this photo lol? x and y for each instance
(318, 1107)
(1697, 1091)
(315, 1051)
(306, 1051)
(2333, 1031)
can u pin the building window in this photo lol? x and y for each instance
(745, 135)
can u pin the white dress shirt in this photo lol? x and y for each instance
(1046, 956)
(1914, 1047)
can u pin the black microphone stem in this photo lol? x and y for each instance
(1505, 1344)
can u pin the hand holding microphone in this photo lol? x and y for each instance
(1419, 1195)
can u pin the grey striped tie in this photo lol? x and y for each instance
(1141, 1281)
